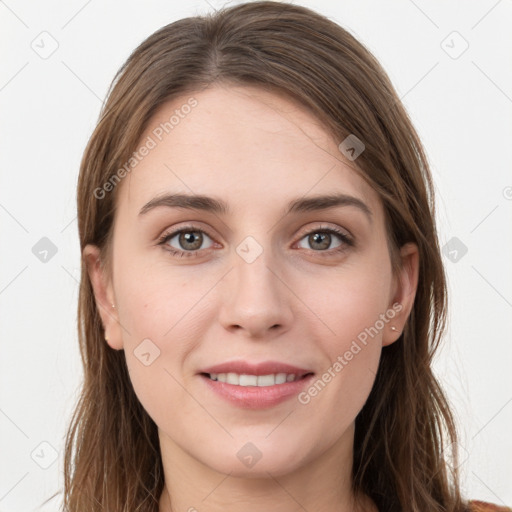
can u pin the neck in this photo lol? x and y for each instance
(322, 484)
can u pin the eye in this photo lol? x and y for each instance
(186, 242)
(321, 239)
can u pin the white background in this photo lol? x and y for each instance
(460, 106)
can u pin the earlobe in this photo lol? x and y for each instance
(103, 294)
(406, 284)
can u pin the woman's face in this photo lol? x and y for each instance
(262, 280)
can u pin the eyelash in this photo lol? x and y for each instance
(346, 241)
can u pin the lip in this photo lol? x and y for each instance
(264, 368)
(255, 397)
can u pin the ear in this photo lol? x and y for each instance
(104, 296)
(403, 292)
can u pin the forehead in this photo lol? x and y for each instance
(251, 147)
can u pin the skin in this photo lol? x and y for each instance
(257, 151)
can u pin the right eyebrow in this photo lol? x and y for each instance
(191, 202)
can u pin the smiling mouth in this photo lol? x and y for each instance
(246, 380)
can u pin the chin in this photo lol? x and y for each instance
(249, 461)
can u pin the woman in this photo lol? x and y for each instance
(262, 289)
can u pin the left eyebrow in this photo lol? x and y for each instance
(325, 202)
(218, 206)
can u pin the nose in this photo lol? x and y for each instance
(256, 299)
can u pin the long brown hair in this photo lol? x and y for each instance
(112, 455)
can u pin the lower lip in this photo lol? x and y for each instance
(255, 397)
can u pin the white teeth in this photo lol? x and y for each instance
(246, 380)
(281, 378)
(253, 380)
(231, 378)
(268, 380)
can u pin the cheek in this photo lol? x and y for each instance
(351, 301)
(153, 296)
(157, 350)
(163, 318)
(352, 307)
(167, 313)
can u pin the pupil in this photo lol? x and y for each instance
(322, 238)
(191, 237)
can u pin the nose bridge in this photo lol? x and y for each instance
(255, 297)
(252, 271)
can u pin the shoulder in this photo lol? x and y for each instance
(482, 506)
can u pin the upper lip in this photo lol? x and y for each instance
(264, 368)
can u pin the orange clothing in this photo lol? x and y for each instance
(482, 506)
